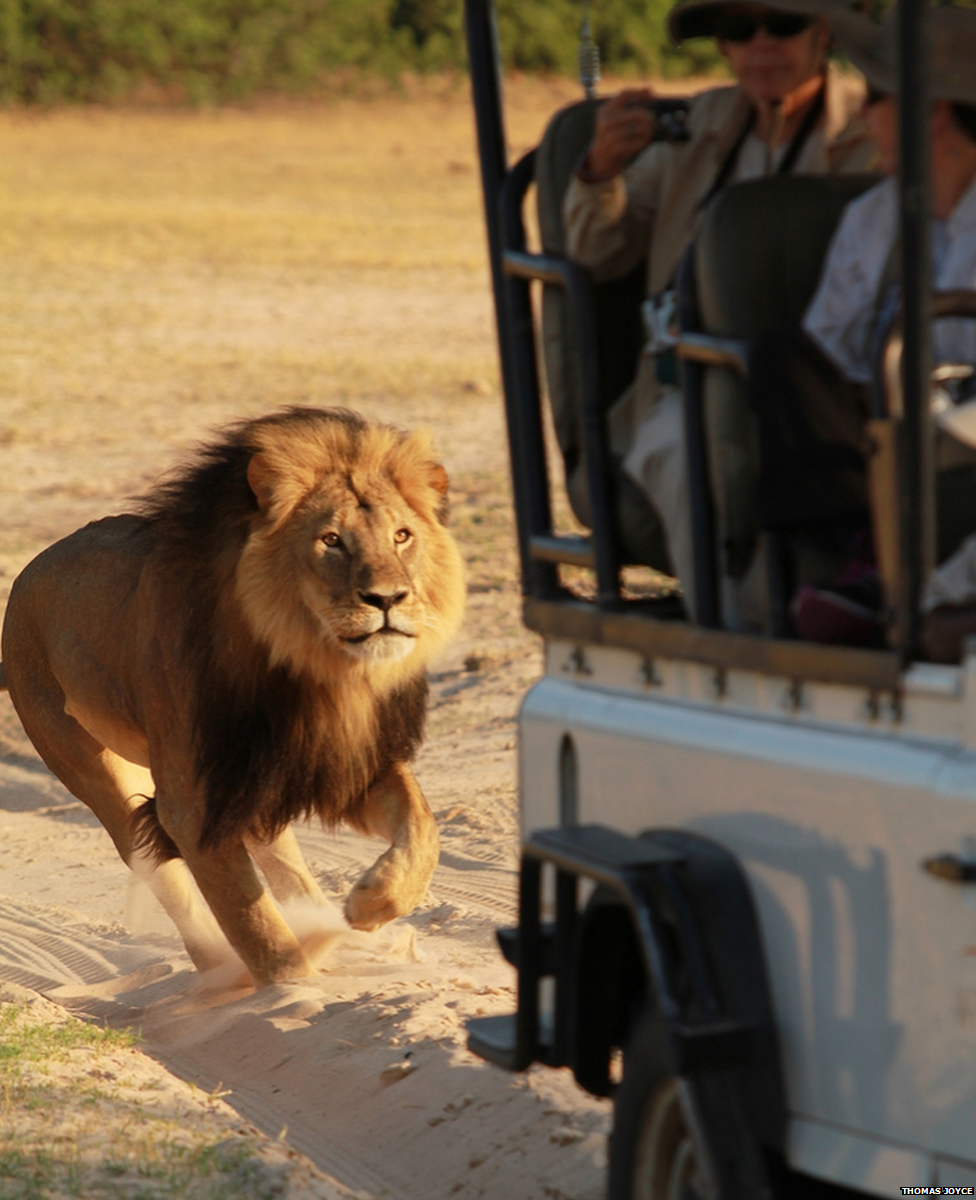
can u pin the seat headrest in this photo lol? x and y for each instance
(761, 247)
(563, 144)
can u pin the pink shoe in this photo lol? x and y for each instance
(846, 613)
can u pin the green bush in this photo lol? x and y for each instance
(201, 49)
(103, 50)
(631, 35)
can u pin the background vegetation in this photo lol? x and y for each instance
(210, 50)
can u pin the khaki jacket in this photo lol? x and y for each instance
(653, 209)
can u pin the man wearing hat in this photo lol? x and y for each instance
(809, 388)
(633, 199)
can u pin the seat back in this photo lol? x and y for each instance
(619, 335)
(761, 247)
(757, 262)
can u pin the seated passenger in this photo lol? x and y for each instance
(949, 597)
(810, 386)
(949, 606)
(633, 200)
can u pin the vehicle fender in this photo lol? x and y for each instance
(680, 939)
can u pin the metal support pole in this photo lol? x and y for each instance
(917, 459)
(486, 85)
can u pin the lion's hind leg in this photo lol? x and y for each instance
(111, 786)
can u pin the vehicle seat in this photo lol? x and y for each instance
(755, 266)
(619, 335)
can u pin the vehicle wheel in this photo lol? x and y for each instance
(654, 1154)
(664, 1163)
(661, 1148)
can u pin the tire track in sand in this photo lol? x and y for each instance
(38, 954)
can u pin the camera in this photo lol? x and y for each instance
(672, 119)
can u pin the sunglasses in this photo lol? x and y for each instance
(743, 27)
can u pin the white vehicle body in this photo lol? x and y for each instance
(832, 798)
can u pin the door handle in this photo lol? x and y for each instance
(951, 867)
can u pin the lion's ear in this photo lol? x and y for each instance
(437, 477)
(260, 476)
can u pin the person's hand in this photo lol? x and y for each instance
(623, 129)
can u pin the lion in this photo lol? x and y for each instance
(248, 647)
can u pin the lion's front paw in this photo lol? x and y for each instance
(387, 890)
(368, 908)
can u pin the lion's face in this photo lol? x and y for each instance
(348, 562)
(364, 560)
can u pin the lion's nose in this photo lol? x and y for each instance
(384, 601)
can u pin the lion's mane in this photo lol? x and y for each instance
(288, 724)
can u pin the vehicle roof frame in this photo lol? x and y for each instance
(524, 417)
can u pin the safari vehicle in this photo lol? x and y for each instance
(747, 902)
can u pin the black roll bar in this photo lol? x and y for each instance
(918, 519)
(531, 493)
(521, 269)
(526, 434)
(513, 269)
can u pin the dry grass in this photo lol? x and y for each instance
(83, 1114)
(274, 254)
(164, 271)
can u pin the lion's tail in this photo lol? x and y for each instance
(3, 679)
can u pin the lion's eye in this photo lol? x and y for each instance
(401, 536)
(331, 539)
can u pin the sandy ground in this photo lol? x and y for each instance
(165, 273)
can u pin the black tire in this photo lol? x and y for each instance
(677, 1138)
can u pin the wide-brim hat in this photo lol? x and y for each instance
(951, 37)
(696, 18)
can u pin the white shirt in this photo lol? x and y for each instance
(954, 582)
(841, 315)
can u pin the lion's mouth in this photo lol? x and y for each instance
(384, 629)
